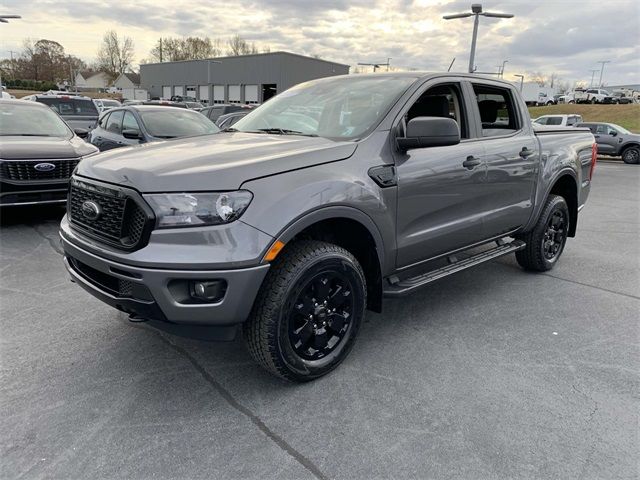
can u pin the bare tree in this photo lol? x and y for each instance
(115, 55)
(237, 45)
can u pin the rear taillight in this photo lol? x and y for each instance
(594, 159)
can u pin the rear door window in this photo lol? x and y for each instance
(114, 122)
(497, 110)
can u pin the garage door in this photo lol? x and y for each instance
(251, 93)
(234, 93)
(166, 92)
(218, 94)
(204, 93)
(178, 90)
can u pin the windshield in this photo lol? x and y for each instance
(110, 103)
(70, 106)
(173, 122)
(32, 121)
(620, 129)
(337, 108)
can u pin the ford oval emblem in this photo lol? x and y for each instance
(44, 167)
(91, 210)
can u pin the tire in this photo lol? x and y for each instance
(287, 321)
(572, 101)
(546, 241)
(631, 155)
(593, 101)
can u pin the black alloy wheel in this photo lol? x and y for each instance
(308, 312)
(555, 235)
(320, 317)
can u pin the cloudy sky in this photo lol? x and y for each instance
(564, 37)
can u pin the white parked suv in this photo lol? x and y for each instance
(591, 95)
(558, 120)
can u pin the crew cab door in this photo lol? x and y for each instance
(439, 188)
(511, 157)
(607, 139)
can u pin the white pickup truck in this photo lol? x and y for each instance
(591, 95)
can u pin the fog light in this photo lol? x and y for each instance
(208, 290)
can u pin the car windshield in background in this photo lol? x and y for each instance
(620, 129)
(172, 122)
(32, 121)
(70, 106)
(338, 108)
(110, 103)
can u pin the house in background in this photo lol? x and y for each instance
(89, 80)
(128, 85)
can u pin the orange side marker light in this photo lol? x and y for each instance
(274, 251)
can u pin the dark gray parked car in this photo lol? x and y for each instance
(136, 124)
(38, 152)
(616, 141)
(78, 111)
(330, 196)
(216, 111)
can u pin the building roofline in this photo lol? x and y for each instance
(229, 57)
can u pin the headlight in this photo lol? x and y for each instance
(198, 209)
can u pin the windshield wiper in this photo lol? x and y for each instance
(283, 131)
(230, 129)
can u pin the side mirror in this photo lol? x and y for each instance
(81, 132)
(131, 134)
(425, 132)
(613, 133)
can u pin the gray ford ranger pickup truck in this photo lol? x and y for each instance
(319, 203)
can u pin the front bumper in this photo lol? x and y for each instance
(150, 293)
(14, 194)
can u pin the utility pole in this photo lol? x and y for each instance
(476, 11)
(593, 72)
(602, 70)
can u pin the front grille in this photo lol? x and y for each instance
(115, 286)
(25, 171)
(122, 221)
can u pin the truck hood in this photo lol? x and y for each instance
(15, 147)
(222, 161)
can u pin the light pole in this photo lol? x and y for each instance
(476, 11)
(502, 69)
(521, 80)
(6, 18)
(602, 70)
(593, 72)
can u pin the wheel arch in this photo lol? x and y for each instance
(566, 186)
(351, 229)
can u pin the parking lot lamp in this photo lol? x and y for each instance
(521, 80)
(476, 11)
(5, 18)
(602, 70)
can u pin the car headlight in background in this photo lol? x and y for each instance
(198, 209)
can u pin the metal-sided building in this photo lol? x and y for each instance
(238, 79)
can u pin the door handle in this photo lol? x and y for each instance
(471, 162)
(525, 152)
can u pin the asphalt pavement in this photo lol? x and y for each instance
(492, 373)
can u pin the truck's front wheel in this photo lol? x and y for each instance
(308, 312)
(546, 241)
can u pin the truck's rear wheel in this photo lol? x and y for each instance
(593, 101)
(308, 311)
(631, 155)
(546, 241)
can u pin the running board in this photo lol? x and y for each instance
(404, 287)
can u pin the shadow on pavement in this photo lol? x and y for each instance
(35, 214)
